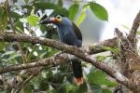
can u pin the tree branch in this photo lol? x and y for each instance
(23, 83)
(99, 47)
(132, 34)
(91, 49)
(42, 62)
(63, 47)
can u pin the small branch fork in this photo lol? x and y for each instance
(83, 53)
(130, 62)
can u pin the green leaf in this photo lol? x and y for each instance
(15, 15)
(99, 77)
(44, 6)
(114, 50)
(99, 11)
(96, 88)
(42, 55)
(2, 46)
(1, 11)
(82, 88)
(33, 20)
(60, 11)
(106, 91)
(81, 18)
(73, 11)
(3, 19)
(101, 58)
(19, 26)
(60, 3)
(23, 20)
(70, 88)
(7, 53)
(27, 89)
(13, 56)
(44, 86)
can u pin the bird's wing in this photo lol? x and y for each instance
(77, 32)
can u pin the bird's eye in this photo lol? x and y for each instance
(58, 17)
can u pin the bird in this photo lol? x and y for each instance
(69, 34)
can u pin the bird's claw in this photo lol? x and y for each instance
(56, 56)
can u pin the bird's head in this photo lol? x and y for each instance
(63, 24)
(57, 20)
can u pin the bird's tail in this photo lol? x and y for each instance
(77, 71)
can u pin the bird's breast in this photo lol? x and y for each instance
(67, 36)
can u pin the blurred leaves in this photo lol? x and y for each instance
(1, 11)
(60, 3)
(81, 18)
(114, 50)
(3, 16)
(73, 11)
(98, 77)
(60, 11)
(44, 6)
(99, 81)
(33, 20)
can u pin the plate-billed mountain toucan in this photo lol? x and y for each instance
(69, 34)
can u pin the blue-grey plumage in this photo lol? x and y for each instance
(69, 34)
(66, 33)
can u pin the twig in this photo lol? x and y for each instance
(99, 47)
(119, 33)
(9, 15)
(14, 31)
(132, 34)
(22, 84)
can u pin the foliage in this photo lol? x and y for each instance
(24, 15)
(99, 11)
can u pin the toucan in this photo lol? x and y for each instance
(69, 34)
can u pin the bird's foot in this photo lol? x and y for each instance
(56, 56)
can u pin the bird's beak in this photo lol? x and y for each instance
(48, 20)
